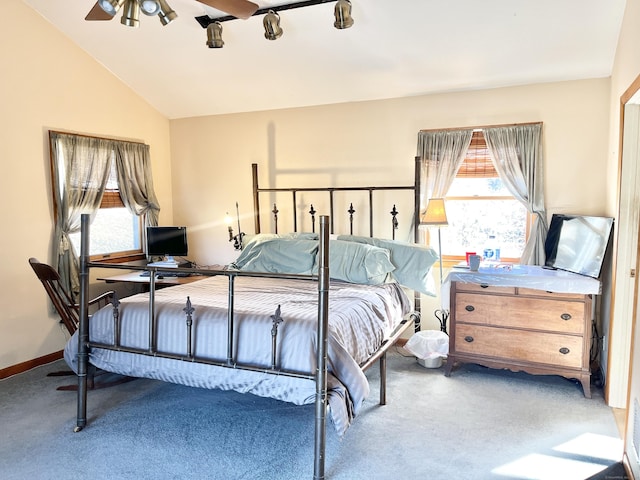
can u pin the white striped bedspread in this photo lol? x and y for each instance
(360, 318)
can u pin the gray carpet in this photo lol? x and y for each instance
(477, 424)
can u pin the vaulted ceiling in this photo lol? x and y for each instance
(396, 48)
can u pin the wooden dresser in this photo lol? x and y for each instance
(521, 329)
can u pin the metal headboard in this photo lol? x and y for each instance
(331, 191)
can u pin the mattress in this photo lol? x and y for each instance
(361, 317)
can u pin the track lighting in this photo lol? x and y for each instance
(342, 12)
(214, 36)
(271, 22)
(241, 8)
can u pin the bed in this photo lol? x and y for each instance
(272, 324)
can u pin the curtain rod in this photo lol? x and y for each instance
(479, 127)
(95, 137)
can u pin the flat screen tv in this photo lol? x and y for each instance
(577, 243)
(167, 242)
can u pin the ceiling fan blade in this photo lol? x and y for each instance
(238, 8)
(97, 13)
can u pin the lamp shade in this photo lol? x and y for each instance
(435, 213)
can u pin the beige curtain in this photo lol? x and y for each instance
(136, 182)
(441, 153)
(81, 168)
(516, 152)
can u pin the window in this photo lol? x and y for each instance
(115, 231)
(479, 205)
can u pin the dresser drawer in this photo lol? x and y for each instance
(474, 287)
(531, 292)
(518, 345)
(563, 316)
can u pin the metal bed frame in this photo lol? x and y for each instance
(330, 191)
(322, 278)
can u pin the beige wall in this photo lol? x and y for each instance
(373, 143)
(46, 82)
(203, 167)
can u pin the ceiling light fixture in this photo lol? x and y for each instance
(271, 22)
(244, 9)
(214, 36)
(132, 9)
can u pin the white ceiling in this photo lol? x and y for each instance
(396, 48)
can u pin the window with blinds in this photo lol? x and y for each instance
(116, 233)
(477, 162)
(478, 206)
(111, 197)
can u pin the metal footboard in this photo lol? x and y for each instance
(320, 375)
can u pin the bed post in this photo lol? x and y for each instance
(416, 232)
(321, 353)
(83, 327)
(256, 198)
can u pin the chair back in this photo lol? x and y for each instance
(61, 300)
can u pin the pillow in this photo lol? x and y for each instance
(277, 255)
(412, 262)
(358, 263)
(348, 261)
(261, 237)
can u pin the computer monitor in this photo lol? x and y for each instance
(167, 242)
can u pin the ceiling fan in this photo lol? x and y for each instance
(107, 9)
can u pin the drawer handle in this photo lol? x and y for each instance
(564, 350)
(468, 339)
(565, 316)
(484, 285)
(469, 308)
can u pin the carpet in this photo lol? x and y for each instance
(477, 424)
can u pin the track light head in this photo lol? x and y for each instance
(166, 14)
(214, 35)
(271, 22)
(342, 12)
(131, 14)
(149, 7)
(111, 6)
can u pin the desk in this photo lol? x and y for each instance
(135, 277)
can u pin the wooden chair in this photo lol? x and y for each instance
(69, 313)
(67, 310)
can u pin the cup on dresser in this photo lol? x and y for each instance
(474, 262)
(468, 255)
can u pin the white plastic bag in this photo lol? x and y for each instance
(428, 344)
